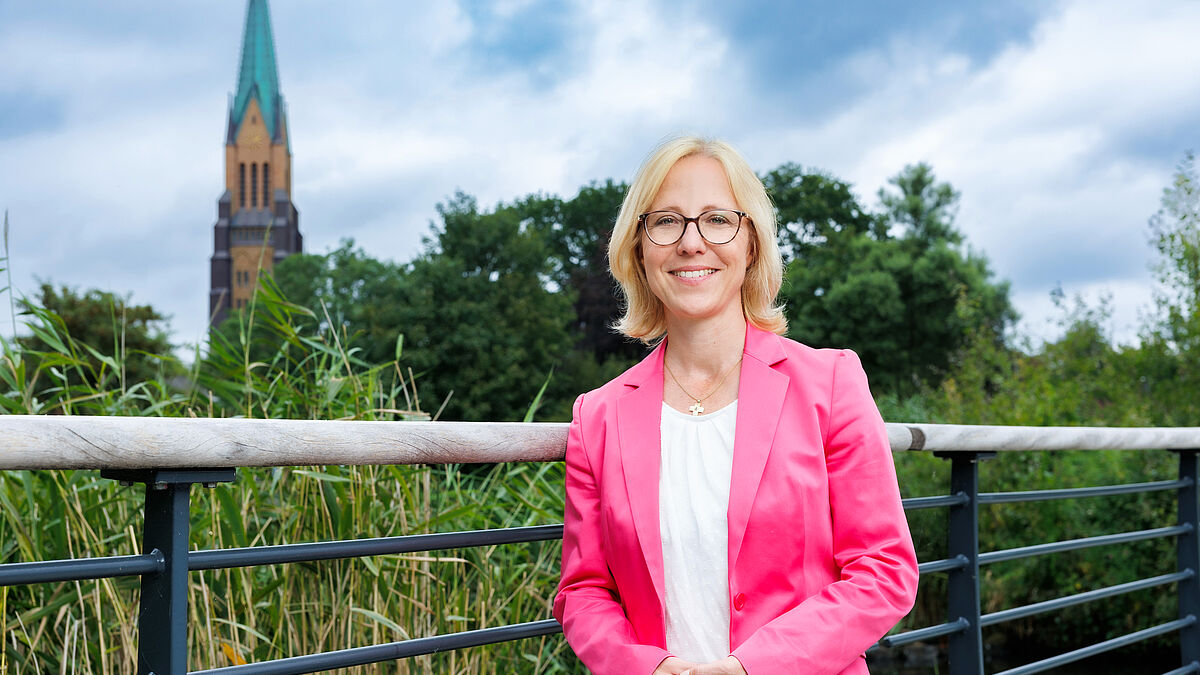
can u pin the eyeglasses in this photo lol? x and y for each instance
(718, 226)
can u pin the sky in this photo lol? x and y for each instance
(1059, 122)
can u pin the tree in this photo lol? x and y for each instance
(478, 316)
(351, 292)
(491, 290)
(1170, 354)
(111, 341)
(910, 304)
(576, 232)
(1175, 235)
(924, 208)
(481, 323)
(814, 209)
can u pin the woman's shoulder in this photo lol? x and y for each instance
(797, 355)
(617, 386)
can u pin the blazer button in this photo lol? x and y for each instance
(739, 601)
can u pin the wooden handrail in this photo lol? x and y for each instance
(87, 442)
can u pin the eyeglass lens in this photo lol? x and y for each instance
(717, 227)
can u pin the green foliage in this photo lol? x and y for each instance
(1080, 379)
(1170, 356)
(922, 207)
(495, 295)
(474, 309)
(478, 317)
(102, 326)
(909, 305)
(1175, 234)
(350, 293)
(67, 376)
(814, 210)
(576, 232)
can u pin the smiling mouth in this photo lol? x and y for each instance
(693, 274)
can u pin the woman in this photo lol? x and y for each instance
(732, 504)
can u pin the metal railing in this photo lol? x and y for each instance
(964, 617)
(162, 454)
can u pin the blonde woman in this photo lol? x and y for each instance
(732, 504)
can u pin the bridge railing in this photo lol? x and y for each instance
(169, 455)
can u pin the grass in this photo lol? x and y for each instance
(254, 614)
(269, 368)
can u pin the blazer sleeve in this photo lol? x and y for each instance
(872, 547)
(587, 603)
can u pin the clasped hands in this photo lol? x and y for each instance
(676, 666)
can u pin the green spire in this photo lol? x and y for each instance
(258, 76)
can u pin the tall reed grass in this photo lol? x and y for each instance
(271, 367)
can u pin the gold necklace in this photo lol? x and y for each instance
(696, 408)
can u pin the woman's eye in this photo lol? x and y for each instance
(718, 220)
(665, 220)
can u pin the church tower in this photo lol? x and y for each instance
(257, 224)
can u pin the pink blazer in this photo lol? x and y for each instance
(821, 563)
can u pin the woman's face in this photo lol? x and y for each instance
(693, 278)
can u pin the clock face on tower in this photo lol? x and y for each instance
(256, 140)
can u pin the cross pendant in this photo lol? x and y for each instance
(696, 408)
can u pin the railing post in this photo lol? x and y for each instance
(962, 587)
(1189, 556)
(162, 613)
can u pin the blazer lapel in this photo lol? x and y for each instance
(639, 419)
(761, 391)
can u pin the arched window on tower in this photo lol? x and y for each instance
(242, 185)
(254, 185)
(267, 185)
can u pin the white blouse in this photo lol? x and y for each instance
(693, 497)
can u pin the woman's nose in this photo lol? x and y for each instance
(691, 241)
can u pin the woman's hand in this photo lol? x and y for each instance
(675, 666)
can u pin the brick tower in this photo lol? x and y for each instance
(257, 223)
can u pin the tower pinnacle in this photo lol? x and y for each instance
(258, 76)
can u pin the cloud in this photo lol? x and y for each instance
(1041, 139)
(500, 135)
(1059, 123)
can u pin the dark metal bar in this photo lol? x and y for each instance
(1080, 598)
(1188, 556)
(1074, 493)
(162, 615)
(925, 633)
(354, 548)
(962, 584)
(945, 565)
(45, 571)
(1100, 647)
(1086, 542)
(162, 611)
(359, 656)
(914, 503)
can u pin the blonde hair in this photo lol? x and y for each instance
(644, 316)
